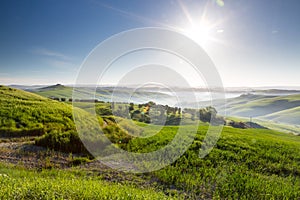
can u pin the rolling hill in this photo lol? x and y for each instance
(263, 106)
(279, 109)
(244, 164)
(102, 94)
(288, 116)
(57, 90)
(25, 113)
(275, 112)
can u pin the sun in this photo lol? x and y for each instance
(199, 28)
(199, 32)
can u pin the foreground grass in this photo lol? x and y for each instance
(245, 164)
(18, 183)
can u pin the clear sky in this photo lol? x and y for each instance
(252, 42)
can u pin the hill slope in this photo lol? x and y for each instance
(279, 109)
(57, 90)
(289, 116)
(25, 113)
(244, 164)
(265, 106)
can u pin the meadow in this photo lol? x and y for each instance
(244, 164)
(20, 183)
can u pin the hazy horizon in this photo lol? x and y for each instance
(196, 87)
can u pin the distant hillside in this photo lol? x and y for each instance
(233, 103)
(289, 116)
(282, 112)
(57, 90)
(26, 87)
(284, 109)
(263, 106)
(277, 91)
(280, 108)
(53, 87)
(102, 94)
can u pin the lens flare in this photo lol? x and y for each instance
(220, 3)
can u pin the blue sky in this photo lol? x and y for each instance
(254, 43)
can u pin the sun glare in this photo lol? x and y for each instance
(200, 33)
(199, 28)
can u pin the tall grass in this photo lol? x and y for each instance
(60, 184)
(245, 164)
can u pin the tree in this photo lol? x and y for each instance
(179, 111)
(209, 114)
(131, 107)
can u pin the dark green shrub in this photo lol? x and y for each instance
(79, 161)
(67, 142)
(15, 132)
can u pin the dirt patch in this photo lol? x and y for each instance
(31, 156)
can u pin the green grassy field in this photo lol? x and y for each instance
(244, 164)
(19, 183)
